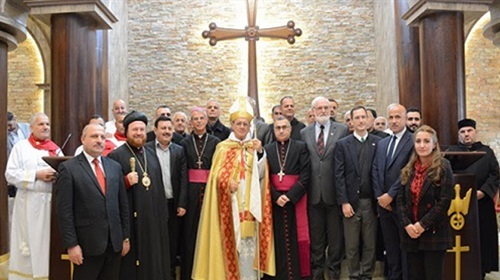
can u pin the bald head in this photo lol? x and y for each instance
(119, 106)
(396, 116)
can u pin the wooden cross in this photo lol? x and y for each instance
(252, 33)
(458, 249)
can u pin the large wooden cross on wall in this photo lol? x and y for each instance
(252, 33)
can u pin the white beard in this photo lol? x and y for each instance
(322, 119)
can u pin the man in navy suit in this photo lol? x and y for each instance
(353, 165)
(391, 155)
(92, 209)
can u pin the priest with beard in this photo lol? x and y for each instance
(289, 167)
(149, 241)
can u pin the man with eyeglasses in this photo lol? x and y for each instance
(324, 212)
(276, 112)
(161, 110)
(380, 123)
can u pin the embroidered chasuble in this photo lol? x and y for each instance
(228, 223)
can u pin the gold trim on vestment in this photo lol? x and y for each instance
(4, 258)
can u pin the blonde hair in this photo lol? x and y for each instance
(434, 171)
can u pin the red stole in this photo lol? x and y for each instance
(303, 239)
(46, 145)
(108, 148)
(120, 137)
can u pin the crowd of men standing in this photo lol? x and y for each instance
(133, 204)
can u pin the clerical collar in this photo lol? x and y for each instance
(285, 142)
(139, 150)
(199, 136)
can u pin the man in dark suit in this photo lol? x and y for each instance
(325, 223)
(353, 165)
(174, 175)
(214, 125)
(391, 155)
(92, 209)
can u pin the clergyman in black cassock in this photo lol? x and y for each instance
(199, 148)
(290, 171)
(149, 256)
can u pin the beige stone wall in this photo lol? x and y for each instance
(25, 70)
(482, 70)
(169, 61)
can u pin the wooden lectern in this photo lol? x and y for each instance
(463, 260)
(59, 265)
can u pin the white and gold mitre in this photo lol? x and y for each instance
(241, 108)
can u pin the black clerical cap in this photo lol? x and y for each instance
(134, 116)
(466, 122)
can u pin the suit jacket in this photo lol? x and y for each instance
(322, 183)
(386, 179)
(86, 216)
(432, 212)
(178, 173)
(347, 168)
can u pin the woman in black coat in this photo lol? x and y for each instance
(423, 202)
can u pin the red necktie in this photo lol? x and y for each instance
(321, 141)
(100, 175)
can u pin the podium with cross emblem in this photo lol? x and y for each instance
(463, 260)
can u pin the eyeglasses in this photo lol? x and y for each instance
(165, 114)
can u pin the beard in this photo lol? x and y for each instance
(137, 142)
(322, 119)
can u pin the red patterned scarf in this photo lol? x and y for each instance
(416, 185)
(46, 145)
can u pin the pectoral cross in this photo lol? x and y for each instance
(281, 174)
(65, 257)
(199, 162)
(458, 249)
(252, 33)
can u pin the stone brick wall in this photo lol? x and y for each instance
(482, 66)
(169, 61)
(25, 70)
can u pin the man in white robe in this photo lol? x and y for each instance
(33, 177)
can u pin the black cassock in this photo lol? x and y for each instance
(486, 171)
(284, 219)
(195, 195)
(149, 256)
